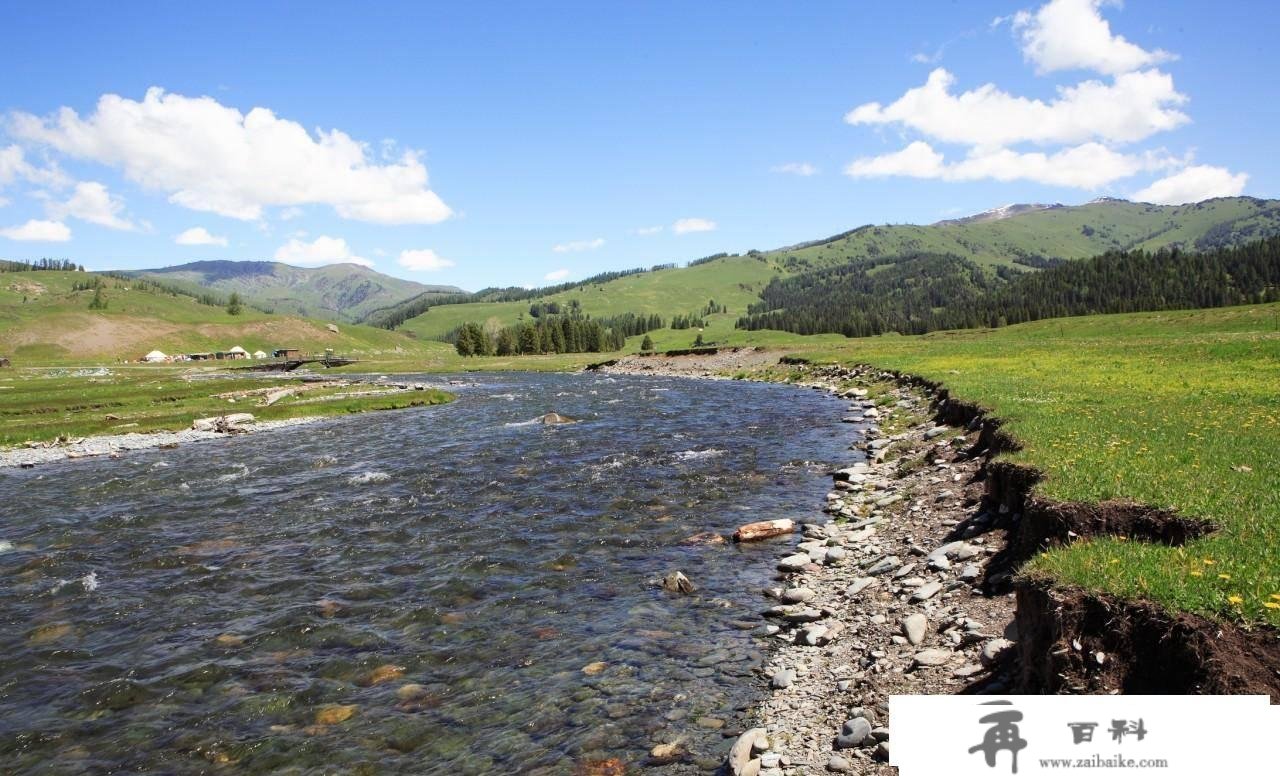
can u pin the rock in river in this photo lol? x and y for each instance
(765, 529)
(677, 582)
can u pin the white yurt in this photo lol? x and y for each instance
(259, 354)
(238, 352)
(154, 357)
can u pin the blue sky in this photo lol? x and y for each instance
(524, 143)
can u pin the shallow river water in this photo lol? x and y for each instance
(259, 604)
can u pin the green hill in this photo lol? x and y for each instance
(343, 292)
(1018, 236)
(45, 319)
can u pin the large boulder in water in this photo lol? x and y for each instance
(555, 419)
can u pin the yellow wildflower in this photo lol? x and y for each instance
(1235, 599)
(1224, 576)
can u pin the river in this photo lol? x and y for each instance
(447, 590)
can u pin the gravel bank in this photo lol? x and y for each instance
(118, 444)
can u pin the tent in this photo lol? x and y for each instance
(238, 352)
(259, 354)
(155, 356)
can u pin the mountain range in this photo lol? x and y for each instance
(342, 292)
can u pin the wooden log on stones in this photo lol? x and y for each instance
(765, 529)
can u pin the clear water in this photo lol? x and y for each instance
(193, 610)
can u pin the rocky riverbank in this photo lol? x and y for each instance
(116, 445)
(899, 589)
(891, 596)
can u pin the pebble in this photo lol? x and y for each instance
(914, 626)
(854, 733)
(793, 563)
(926, 591)
(838, 764)
(797, 595)
(932, 657)
(992, 651)
(783, 679)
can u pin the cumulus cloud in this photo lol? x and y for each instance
(1081, 132)
(198, 235)
(1072, 35)
(14, 166)
(320, 251)
(1193, 184)
(1133, 107)
(423, 260)
(803, 169)
(90, 201)
(577, 246)
(213, 158)
(557, 274)
(1086, 166)
(690, 225)
(38, 231)
(645, 231)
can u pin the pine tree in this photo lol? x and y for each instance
(98, 302)
(646, 346)
(234, 306)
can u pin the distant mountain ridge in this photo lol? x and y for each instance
(1010, 239)
(342, 292)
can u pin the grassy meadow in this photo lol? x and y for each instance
(44, 320)
(51, 404)
(1175, 409)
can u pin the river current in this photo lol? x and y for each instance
(448, 590)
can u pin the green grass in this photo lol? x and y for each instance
(43, 321)
(1178, 410)
(735, 282)
(39, 406)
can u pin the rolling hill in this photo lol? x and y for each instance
(45, 317)
(342, 292)
(1016, 236)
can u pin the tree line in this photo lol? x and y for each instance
(551, 334)
(59, 265)
(929, 292)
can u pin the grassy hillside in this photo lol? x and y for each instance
(1175, 409)
(338, 291)
(43, 320)
(1058, 232)
(734, 281)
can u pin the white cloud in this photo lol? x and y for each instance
(4, 202)
(917, 160)
(14, 166)
(1086, 166)
(1082, 129)
(645, 231)
(1071, 34)
(290, 213)
(198, 235)
(796, 168)
(93, 203)
(38, 231)
(577, 246)
(558, 274)
(323, 250)
(690, 225)
(423, 260)
(1193, 184)
(1133, 107)
(213, 158)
